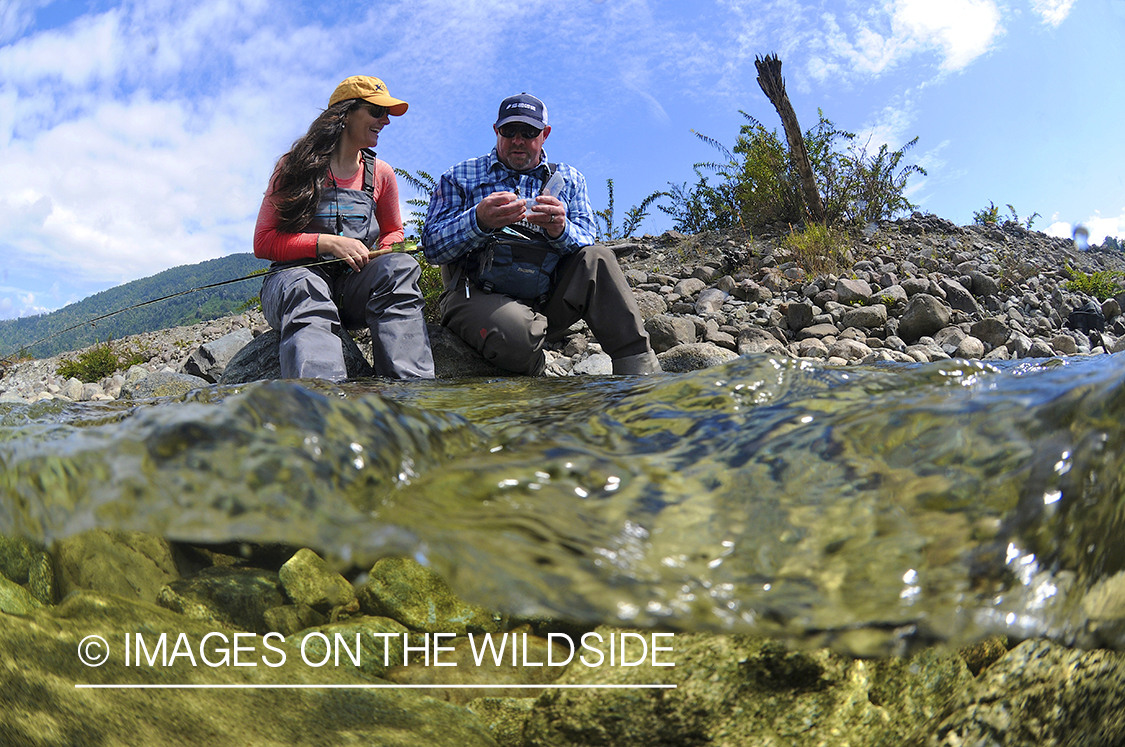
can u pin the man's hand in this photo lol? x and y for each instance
(549, 213)
(500, 209)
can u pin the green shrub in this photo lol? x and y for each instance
(1102, 284)
(98, 362)
(432, 287)
(758, 184)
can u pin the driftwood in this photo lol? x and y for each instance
(773, 85)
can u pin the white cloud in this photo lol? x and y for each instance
(1052, 12)
(883, 38)
(1098, 228)
(18, 15)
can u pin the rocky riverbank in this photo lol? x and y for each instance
(913, 290)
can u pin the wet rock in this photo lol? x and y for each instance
(16, 554)
(133, 565)
(504, 717)
(739, 690)
(228, 597)
(16, 600)
(162, 384)
(308, 580)
(291, 618)
(41, 578)
(849, 350)
(1039, 693)
(40, 705)
(403, 590)
(377, 642)
(532, 665)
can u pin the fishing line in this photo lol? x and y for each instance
(94, 320)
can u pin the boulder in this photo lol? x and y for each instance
(666, 331)
(209, 359)
(694, 356)
(260, 359)
(924, 315)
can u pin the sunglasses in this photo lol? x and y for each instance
(376, 111)
(509, 131)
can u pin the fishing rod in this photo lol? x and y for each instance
(8, 360)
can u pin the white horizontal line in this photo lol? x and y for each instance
(374, 687)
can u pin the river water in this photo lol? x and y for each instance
(874, 509)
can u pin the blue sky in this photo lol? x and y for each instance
(137, 136)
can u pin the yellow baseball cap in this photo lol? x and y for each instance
(369, 89)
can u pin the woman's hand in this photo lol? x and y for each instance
(549, 213)
(350, 250)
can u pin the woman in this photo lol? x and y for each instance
(330, 197)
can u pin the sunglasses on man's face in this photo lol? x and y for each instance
(527, 133)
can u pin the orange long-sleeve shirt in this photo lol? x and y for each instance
(271, 244)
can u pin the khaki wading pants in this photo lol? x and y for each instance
(511, 333)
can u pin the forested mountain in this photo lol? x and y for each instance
(180, 310)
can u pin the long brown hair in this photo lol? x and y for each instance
(301, 171)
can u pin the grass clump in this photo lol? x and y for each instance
(1101, 285)
(818, 249)
(98, 362)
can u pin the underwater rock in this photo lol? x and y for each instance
(739, 690)
(134, 565)
(229, 597)
(504, 717)
(514, 658)
(16, 600)
(403, 590)
(41, 705)
(291, 618)
(15, 558)
(1039, 693)
(307, 579)
(377, 643)
(162, 384)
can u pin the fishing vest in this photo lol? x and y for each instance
(516, 260)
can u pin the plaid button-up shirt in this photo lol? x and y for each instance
(451, 223)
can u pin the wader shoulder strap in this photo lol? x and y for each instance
(368, 171)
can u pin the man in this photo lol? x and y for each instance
(500, 194)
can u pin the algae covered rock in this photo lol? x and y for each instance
(416, 596)
(307, 579)
(228, 597)
(739, 690)
(134, 565)
(289, 705)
